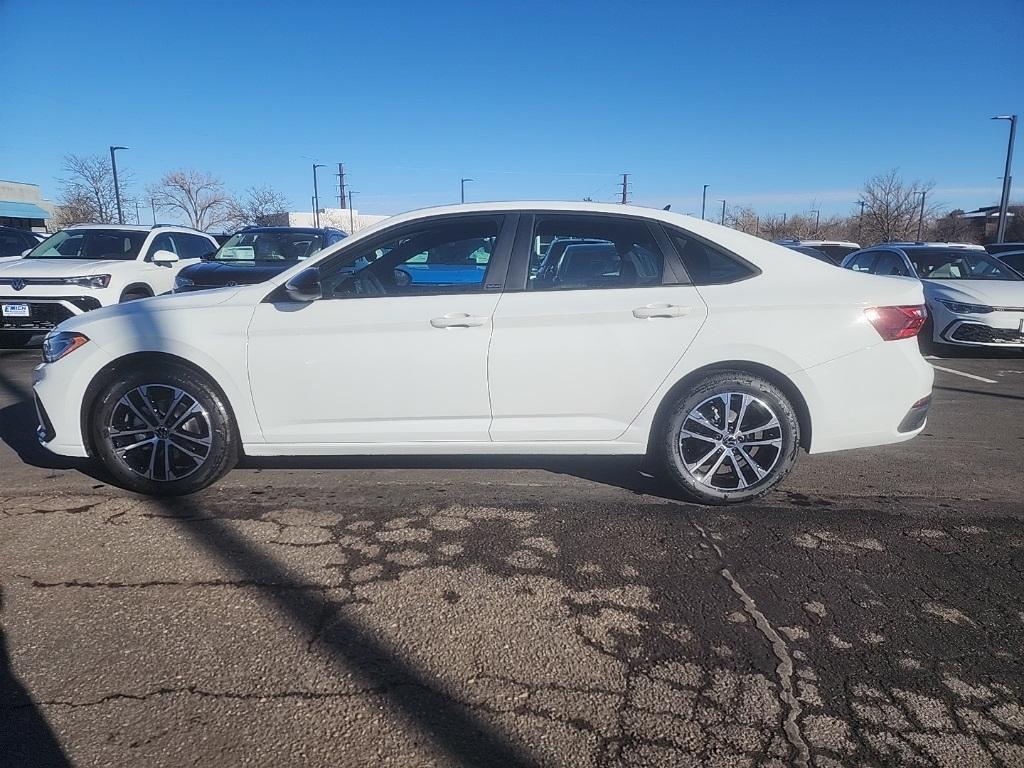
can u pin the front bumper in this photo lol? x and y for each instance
(45, 312)
(60, 389)
(978, 334)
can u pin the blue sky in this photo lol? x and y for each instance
(777, 105)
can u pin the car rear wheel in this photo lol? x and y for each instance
(730, 439)
(166, 433)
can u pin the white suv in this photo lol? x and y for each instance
(91, 266)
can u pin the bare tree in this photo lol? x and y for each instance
(260, 206)
(199, 197)
(87, 191)
(891, 208)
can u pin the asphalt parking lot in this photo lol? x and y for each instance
(558, 612)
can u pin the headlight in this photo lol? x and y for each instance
(960, 308)
(89, 281)
(183, 283)
(57, 344)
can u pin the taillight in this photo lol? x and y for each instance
(894, 323)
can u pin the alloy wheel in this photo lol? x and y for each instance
(160, 432)
(730, 441)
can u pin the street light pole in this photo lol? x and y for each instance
(920, 219)
(1004, 201)
(351, 216)
(462, 189)
(860, 219)
(316, 196)
(722, 222)
(703, 201)
(117, 188)
(817, 219)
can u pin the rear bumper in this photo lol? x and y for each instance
(875, 396)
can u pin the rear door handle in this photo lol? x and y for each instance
(660, 310)
(457, 320)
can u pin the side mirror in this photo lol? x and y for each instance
(164, 257)
(305, 286)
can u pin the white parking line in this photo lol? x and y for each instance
(961, 373)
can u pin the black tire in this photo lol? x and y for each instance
(208, 433)
(133, 295)
(741, 454)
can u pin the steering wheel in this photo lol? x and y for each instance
(368, 284)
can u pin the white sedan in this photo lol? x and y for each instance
(525, 328)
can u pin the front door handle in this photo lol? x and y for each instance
(660, 310)
(457, 320)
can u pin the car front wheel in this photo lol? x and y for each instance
(165, 433)
(731, 438)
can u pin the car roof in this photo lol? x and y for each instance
(142, 228)
(908, 246)
(304, 230)
(816, 243)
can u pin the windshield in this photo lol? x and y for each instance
(949, 264)
(270, 246)
(92, 244)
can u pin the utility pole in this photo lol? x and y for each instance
(920, 220)
(351, 215)
(860, 219)
(138, 219)
(316, 196)
(817, 219)
(783, 225)
(152, 207)
(722, 222)
(341, 186)
(117, 188)
(704, 201)
(1004, 201)
(462, 189)
(625, 188)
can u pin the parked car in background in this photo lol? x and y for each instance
(14, 242)
(997, 248)
(1014, 258)
(716, 352)
(255, 254)
(835, 250)
(87, 267)
(973, 298)
(807, 250)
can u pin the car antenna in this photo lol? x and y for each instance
(667, 207)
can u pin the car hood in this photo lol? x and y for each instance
(994, 293)
(58, 267)
(138, 310)
(217, 273)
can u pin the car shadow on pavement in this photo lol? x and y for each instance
(627, 472)
(26, 739)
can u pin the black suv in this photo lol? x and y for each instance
(255, 254)
(14, 242)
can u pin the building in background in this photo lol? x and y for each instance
(22, 206)
(984, 222)
(349, 220)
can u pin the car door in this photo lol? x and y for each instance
(380, 358)
(586, 341)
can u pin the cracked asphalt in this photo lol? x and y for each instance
(523, 612)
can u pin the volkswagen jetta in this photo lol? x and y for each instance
(716, 353)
